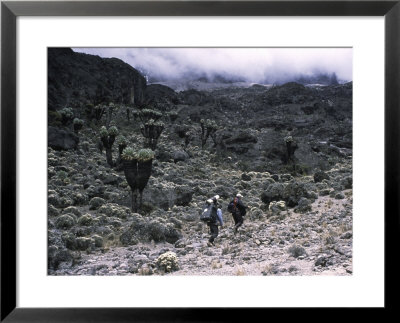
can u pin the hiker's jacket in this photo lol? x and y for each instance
(240, 206)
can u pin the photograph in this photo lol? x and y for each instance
(200, 161)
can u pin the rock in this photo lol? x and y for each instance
(346, 235)
(180, 243)
(241, 142)
(246, 177)
(60, 139)
(339, 196)
(321, 261)
(184, 195)
(117, 80)
(159, 95)
(180, 156)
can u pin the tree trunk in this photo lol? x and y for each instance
(133, 201)
(109, 157)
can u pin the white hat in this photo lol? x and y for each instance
(239, 195)
(216, 197)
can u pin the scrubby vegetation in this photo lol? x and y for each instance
(135, 211)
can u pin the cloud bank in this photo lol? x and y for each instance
(260, 65)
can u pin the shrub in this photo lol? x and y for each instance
(152, 130)
(277, 206)
(113, 131)
(296, 251)
(96, 202)
(107, 139)
(121, 140)
(173, 115)
(54, 118)
(288, 139)
(85, 220)
(128, 154)
(208, 128)
(167, 262)
(65, 221)
(144, 155)
(146, 114)
(103, 132)
(78, 122)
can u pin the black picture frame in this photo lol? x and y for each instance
(10, 10)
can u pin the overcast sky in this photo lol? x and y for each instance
(250, 64)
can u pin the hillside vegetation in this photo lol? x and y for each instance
(289, 142)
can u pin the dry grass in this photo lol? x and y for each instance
(267, 270)
(240, 271)
(112, 243)
(227, 249)
(145, 271)
(329, 203)
(216, 265)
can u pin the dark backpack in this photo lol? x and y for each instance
(208, 215)
(230, 206)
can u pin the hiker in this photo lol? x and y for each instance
(238, 210)
(217, 215)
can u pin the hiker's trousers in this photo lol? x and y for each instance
(214, 232)
(237, 217)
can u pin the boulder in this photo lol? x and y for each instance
(180, 155)
(60, 139)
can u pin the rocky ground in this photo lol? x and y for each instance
(315, 243)
(92, 229)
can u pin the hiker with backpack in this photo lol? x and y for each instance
(212, 215)
(238, 210)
